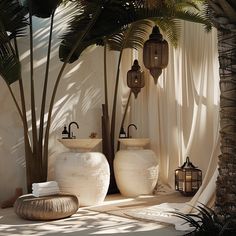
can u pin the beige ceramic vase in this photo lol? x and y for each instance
(136, 172)
(85, 175)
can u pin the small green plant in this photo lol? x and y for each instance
(207, 222)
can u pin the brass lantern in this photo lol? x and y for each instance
(155, 53)
(135, 78)
(188, 178)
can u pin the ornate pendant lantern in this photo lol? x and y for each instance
(135, 78)
(155, 53)
(188, 178)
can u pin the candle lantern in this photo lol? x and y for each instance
(135, 78)
(155, 53)
(188, 178)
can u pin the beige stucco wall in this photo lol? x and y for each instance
(79, 98)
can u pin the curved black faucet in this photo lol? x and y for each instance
(128, 129)
(69, 129)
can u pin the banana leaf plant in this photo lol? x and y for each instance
(94, 22)
(15, 17)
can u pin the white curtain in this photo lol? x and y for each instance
(180, 114)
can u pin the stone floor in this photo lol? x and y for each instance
(106, 219)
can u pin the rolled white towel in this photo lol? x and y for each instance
(44, 192)
(45, 188)
(48, 184)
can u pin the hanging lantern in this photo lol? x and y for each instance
(188, 178)
(135, 78)
(155, 53)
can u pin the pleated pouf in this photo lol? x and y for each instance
(44, 208)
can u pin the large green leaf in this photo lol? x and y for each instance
(118, 15)
(12, 24)
(77, 27)
(12, 18)
(9, 63)
(10, 68)
(42, 8)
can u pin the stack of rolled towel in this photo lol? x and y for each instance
(45, 188)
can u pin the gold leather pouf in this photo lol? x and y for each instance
(51, 207)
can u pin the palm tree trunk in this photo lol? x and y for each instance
(226, 182)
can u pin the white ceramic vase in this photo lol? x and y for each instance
(86, 175)
(136, 172)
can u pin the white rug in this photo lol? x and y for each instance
(162, 213)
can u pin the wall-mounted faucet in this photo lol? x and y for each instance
(70, 134)
(128, 136)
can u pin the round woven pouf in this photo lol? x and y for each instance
(51, 207)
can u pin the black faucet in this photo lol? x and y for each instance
(128, 136)
(70, 135)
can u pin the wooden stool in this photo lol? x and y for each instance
(51, 207)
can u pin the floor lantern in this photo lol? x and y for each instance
(188, 178)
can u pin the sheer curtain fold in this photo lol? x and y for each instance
(181, 113)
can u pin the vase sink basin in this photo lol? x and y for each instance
(134, 142)
(86, 144)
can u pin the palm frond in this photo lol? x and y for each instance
(171, 29)
(82, 16)
(12, 18)
(135, 36)
(194, 17)
(186, 5)
(116, 16)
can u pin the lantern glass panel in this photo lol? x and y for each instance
(195, 175)
(181, 185)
